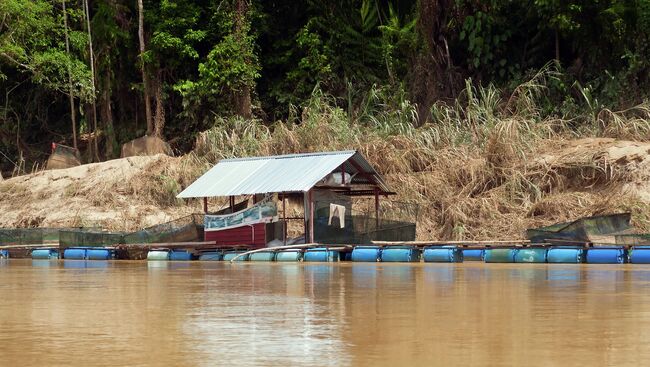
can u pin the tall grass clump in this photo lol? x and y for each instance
(476, 166)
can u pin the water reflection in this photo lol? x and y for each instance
(44, 263)
(214, 313)
(564, 275)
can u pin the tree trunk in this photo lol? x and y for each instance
(73, 115)
(145, 78)
(159, 121)
(431, 72)
(107, 115)
(242, 97)
(95, 134)
(557, 46)
(243, 104)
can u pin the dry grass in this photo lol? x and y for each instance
(488, 166)
(476, 170)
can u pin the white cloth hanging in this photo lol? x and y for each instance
(337, 211)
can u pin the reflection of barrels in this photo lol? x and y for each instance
(442, 255)
(366, 254)
(180, 255)
(608, 255)
(211, 256)
(565, 255)
(262, 256)
(227, 256)
(99, 254)
(531, 255)
(45, 254)
(72, 253)
(473, 254)
(500, 255)
(320, 254)
(158, 255)
(400, 254)
(640, 255)
(288, 256)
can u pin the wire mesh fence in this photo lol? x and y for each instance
(94, 237)
(361, 222)
(185, 229)
(31, 236)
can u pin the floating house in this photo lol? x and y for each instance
(327, 185)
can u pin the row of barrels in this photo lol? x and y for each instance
(74, 253)
(595, 255)
(315, 255)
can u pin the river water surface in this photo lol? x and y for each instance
(76, 313)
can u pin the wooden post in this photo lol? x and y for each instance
(311, 216)
(377, 207)
(343, 173)
(232, 204)
(205, 205)
(304, 216)
(284, 220)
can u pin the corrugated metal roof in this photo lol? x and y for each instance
(282, 173)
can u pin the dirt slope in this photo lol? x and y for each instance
(113, 194)
(462, 196)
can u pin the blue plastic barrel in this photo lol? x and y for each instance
(565, 255)
(262, 256)
(400, 254)
(606, 255)
(531, 255)
(74, 253)
(366, 254)
(45, 254)
(288, 256)
(99, 254)
(437, 254)
(473, 254)
(211, 256)
(500, 255)
(4, 254)
(158, 255)
(180, 255)
(321, 254)
(640, 255)
(231, 255)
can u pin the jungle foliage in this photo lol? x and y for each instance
(199, 62)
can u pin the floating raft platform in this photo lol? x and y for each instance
(516, 251)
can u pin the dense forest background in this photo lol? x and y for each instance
(97, 73)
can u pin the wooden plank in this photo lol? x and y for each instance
(425, 243)
(41, 245)
(167, 244)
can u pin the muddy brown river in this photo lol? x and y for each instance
(85, 313)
